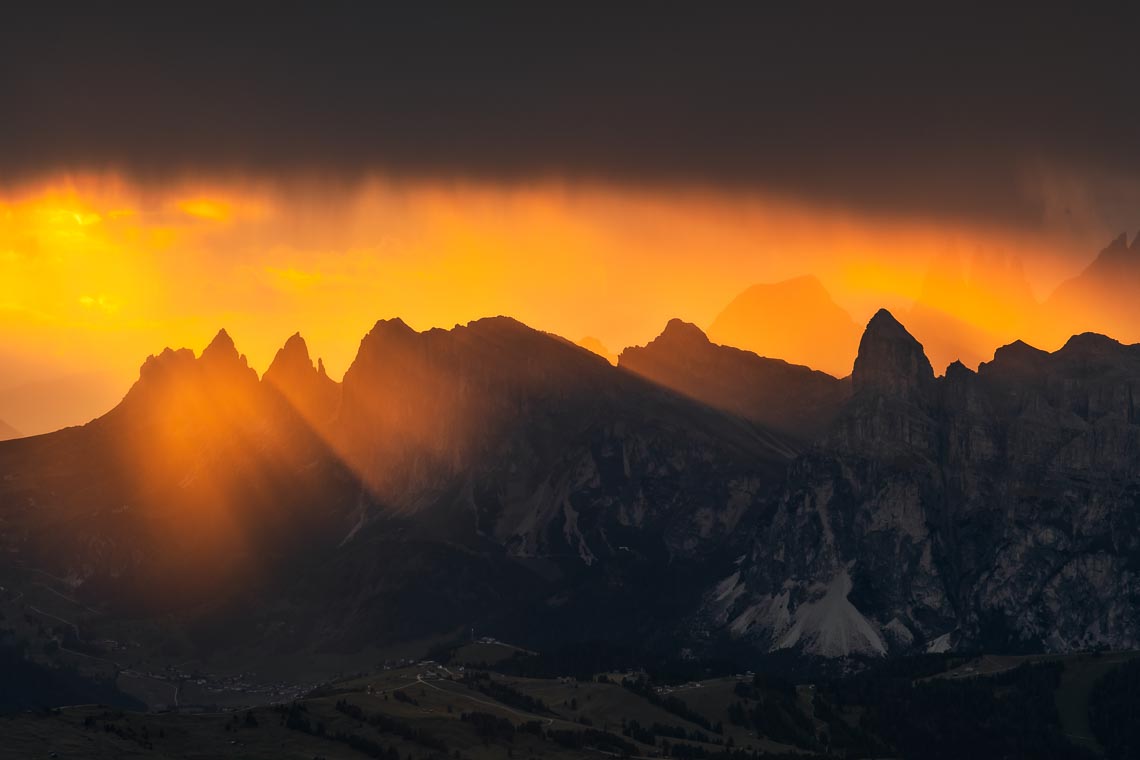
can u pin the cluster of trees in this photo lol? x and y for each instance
(493, 727)
(389, 725)
(694, 752)
(775, 718)
(1012, 714)
(648, 734)
(671, 704)
(601, 741)
(295, 717)
(501, 692)
(403, 696)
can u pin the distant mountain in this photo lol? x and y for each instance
(795, 400)
(590, 343)
(795, 320)
(7, 431)
(1102, 298)
(53, 403)
(967, 308)
(990, 510)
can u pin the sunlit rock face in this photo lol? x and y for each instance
(990, 509)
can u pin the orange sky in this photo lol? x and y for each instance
(99, 272)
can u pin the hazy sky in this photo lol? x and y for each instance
(886, 109)
(593, 170)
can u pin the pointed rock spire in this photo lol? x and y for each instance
(291, 359)
(221, 349)
(890, 361)
(304, 385)
(681, 333)
(221, 342)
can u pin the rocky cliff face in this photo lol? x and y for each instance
(990, 509)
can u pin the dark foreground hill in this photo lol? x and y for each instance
(911, 708)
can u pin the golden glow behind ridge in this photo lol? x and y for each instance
(98, 271)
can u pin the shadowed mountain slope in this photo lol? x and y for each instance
(792, 399)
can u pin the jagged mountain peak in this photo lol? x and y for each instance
(499, 323)
(1020, 347)
(383, 335)
(680, 332)
(956, 369)
(1117, 252)
(1016, 362)
(295, 342)
(890, 360)
(883, 320)
(291, 357)
(169, 360)
(792, 399)
(1090, 344)
(220, 348)
(306, 386)
(387, 327)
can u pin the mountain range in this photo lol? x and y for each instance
(965, 309)
(695, 496)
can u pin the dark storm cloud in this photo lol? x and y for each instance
(901, 112)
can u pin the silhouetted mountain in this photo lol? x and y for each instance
(196, 478)
(307, 387)
(52, 403)
(794, 320)
(590, 343)
(500, 477)
(7, 431)
(991, 509)
(463, 475)
(792, 399)
(966, 308)
(1102, 298)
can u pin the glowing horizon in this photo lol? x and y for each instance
(101, 271)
